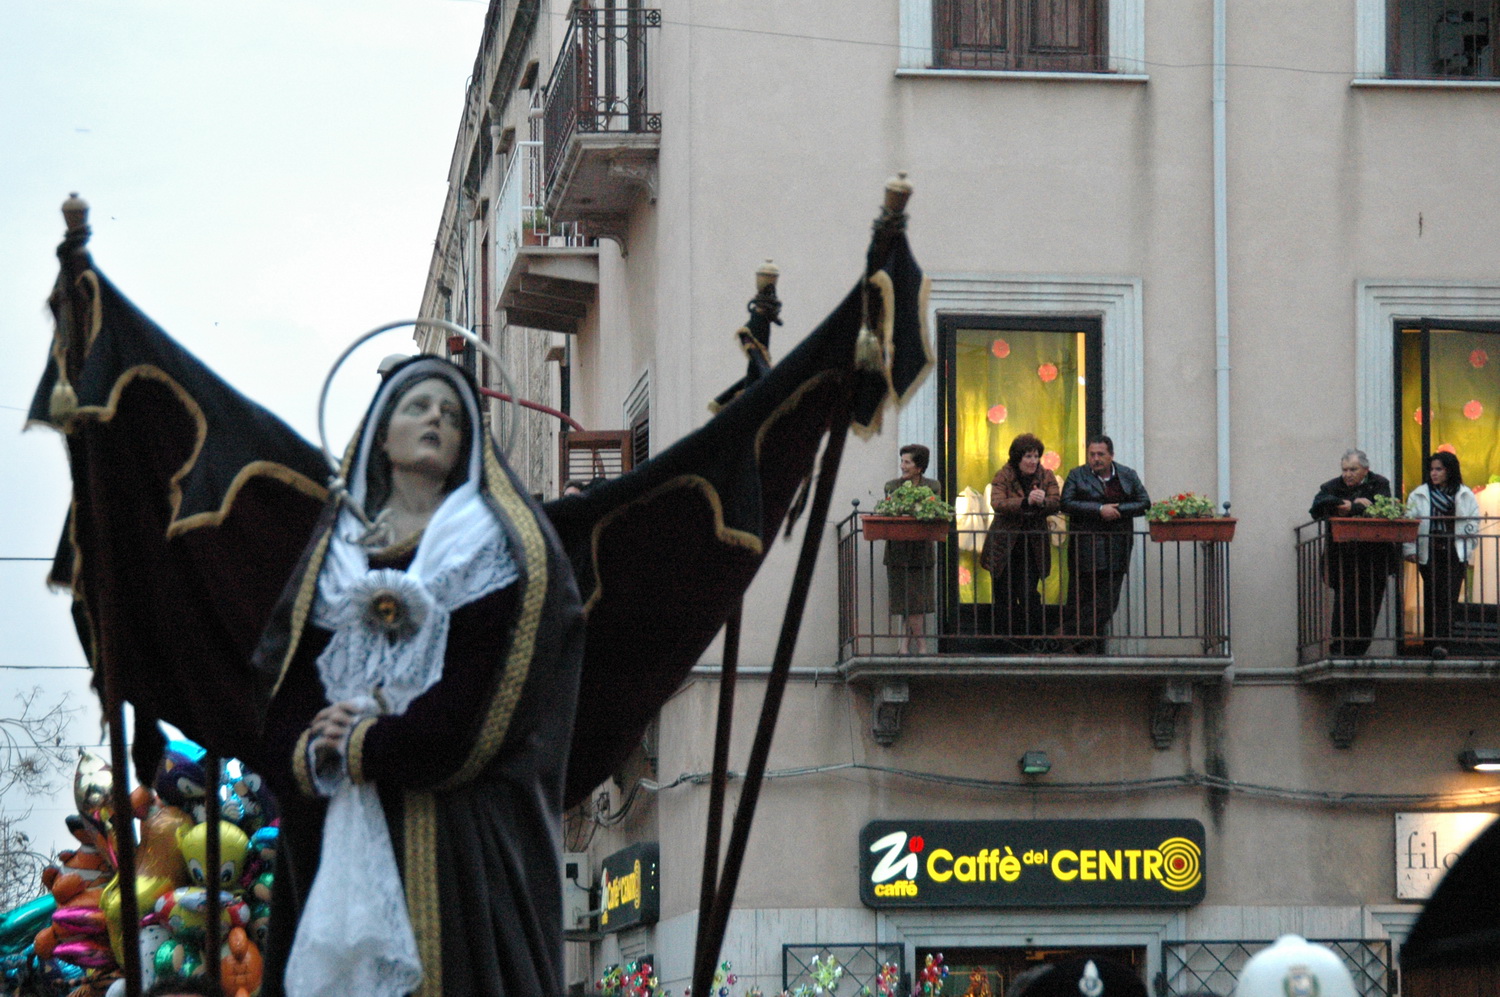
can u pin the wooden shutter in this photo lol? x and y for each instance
(1063, 36)
(1035, 35)
(972, 34)
(600, 453)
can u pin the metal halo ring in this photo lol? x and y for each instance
(504, 436)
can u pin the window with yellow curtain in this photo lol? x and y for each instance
(1004, 376)
(1449, 399)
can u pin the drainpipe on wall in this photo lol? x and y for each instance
(1221, 253)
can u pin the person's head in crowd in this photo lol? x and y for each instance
(1100, 453)
(1444, 472)
(914, 460)
(1026, 453)
(1354, 467)
(573, 487)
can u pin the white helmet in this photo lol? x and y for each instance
(1295, 967)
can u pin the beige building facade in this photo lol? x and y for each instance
(1245, 237)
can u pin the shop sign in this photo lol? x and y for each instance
(628, 887)
(1031, 863)
(1427, 845)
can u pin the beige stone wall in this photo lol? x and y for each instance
(780, 122)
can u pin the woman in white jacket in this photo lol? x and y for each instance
(1445, 541)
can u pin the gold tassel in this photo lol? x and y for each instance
(867, 352)
(63, 404)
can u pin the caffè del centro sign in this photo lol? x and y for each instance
(1031, 863)
(629, 888)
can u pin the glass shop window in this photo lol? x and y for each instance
(1003, 376)
(1449, 399)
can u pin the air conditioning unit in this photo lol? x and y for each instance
(578, 920)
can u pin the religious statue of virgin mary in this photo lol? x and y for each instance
(426, 671)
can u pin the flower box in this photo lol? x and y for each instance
(1372, 529)
(903, 528)
(1209, 529)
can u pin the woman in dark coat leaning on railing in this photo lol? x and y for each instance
(1016, 553)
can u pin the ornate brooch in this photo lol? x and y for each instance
(391, 603)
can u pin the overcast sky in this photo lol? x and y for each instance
(266, 181)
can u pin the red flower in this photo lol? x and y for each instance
(1000, 348)
(997, 414)
(1052, 460)
(1047, 372)
(1448, 448)
(1473, 410)
(1479, 358)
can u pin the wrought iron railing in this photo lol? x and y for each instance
(521, 214)
(1366, 599)
(1213, 967)
(1173, 599)
(860, 964)
(600, 80)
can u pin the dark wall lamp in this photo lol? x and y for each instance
(1480, 759)
(1035, 763)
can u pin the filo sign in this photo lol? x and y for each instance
(1031, 863)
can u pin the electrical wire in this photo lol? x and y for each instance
(1178, 783)
(871, 43)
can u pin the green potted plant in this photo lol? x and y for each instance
(1384, 521)
(911, 512)
(534, 227)
(1188, 516)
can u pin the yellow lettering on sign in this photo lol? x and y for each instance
(623, 890)
(1131, 855)
(1087, 867)
(897, 888)
(1151, 866)
(932, 867)
(1109, 864)
(1058, 857)
(964, 869)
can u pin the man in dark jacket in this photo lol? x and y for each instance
(1356, 571)
(1101, 500)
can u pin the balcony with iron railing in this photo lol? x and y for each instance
(602, 132)
(547, 271)
(1170, 628)
(1379, 611)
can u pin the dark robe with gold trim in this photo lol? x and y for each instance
(471, 775)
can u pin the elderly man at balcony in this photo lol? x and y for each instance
(1101, 499)
(1356, 571)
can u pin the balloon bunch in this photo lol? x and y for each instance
(637, 979)
(889, 980)
(931, 977)
(77, 936)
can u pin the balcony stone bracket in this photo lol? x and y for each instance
(1349, 705)
(1167, 705)
(888, 699)
(637, 173)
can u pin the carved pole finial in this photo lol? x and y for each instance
(766, 275)
(897, 193)
(76, 213)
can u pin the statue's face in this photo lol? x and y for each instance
(426, 429)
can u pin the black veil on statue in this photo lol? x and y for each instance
(192, 506)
